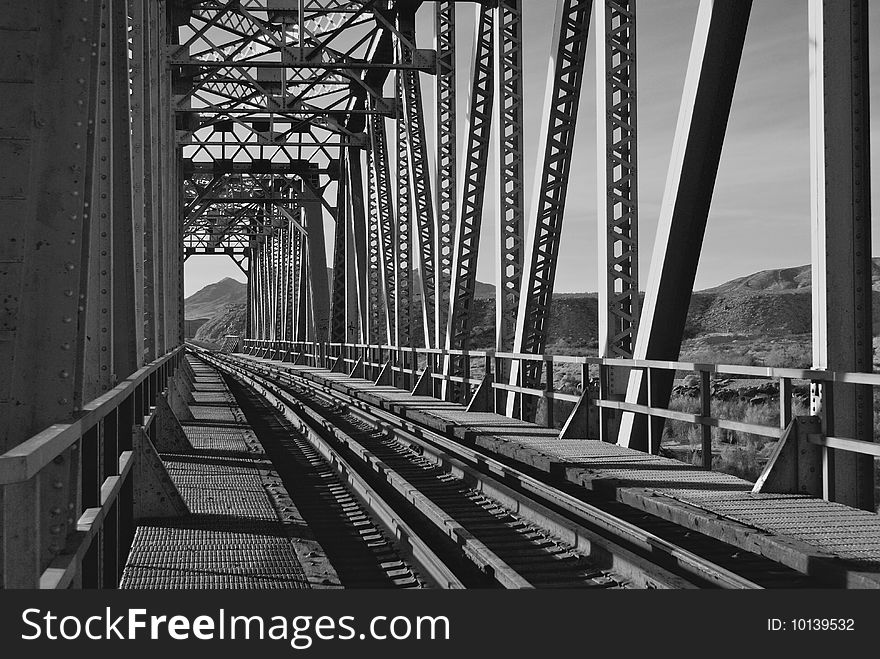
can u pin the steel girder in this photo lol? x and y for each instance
(402, 234)
(446, 162)
(338, 291)
(473, 181)
(72, 268)
(548, 204)
(356, 230)
(709, 85)
(510, 211)
(841, 237)
(383, 224)
(617, 178)
(377, 329)
(421, 202)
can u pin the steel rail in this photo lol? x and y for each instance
(543, 497)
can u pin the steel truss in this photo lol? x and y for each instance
(548, 207)
(474, 165)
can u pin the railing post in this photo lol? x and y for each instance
(653, 442)
(785, 414)
(548, 388)
(828, 468)
(706, 411)
(603, 395)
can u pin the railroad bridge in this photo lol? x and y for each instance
(352, 435)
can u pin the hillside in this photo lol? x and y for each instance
(232, 320)
(762, 318)
(214, 298)
(783, 279)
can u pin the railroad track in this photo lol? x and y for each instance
(471, 529)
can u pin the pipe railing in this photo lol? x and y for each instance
(79, 473)
(409, 362)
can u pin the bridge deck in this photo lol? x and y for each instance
(813, 536)
(242, 530)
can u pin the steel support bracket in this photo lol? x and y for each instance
(583, 422)
(166, 431)
(386, 375)
(484, 397)
(425, 384)
(796, 464)
(155, 494)
(358, 370)
(178, 401)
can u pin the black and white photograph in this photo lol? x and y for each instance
(574, 298)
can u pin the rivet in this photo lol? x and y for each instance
(58, 485)
(65, 346)
(64, 375)
(69, 266)
(55, 511)
(67, 319)
(55, 529)
(63, 401)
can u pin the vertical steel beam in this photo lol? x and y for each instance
(381, 179)
(317, 262)
(402, 234)
(377, 299)
(617, 177)
(48, 75)
(702, 122)
(510, 211)
(413, 135)
(138, 174)
(473, 176)
(151, 182)
(558, 126)
(251, 278)
(357, 227)
(160, 238)
(338, 292)
(95, 373)
(126, 345)
(445, 122)
(841, 233)
(617, 194)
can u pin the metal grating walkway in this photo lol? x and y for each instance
(805, 533)
(242, 530)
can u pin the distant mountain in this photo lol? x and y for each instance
(231, 320)
(767, 308)
(214, 298)
(782, 280)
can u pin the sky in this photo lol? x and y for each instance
(760, 215)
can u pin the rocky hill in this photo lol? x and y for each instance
(763, 318)
(232, 320)
(783, 279)
(214, 298)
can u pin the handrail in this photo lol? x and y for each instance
(349, 354)
(84, 552)
(22, 462)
